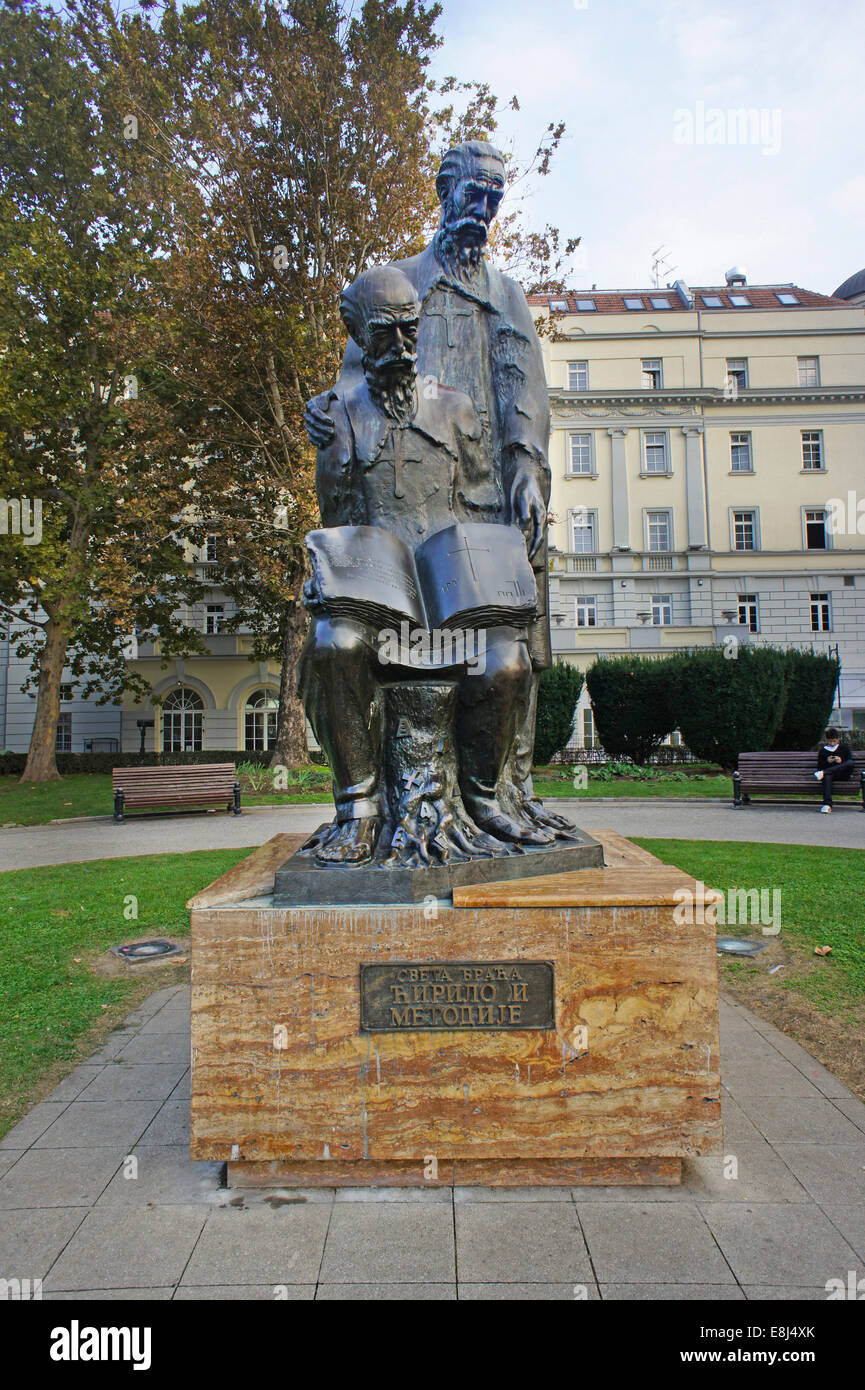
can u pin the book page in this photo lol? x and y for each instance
(472, 571)
(365, 572)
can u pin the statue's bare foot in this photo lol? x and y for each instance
(352, 843)
(504, 827)
(549, 820)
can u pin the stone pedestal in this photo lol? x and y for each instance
(448, 1069)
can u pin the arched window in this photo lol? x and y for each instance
(259, 719)
(182, 721)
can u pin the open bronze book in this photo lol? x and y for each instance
(468, 575)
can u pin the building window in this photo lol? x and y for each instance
(259, 720)
(578, 376)
(213, 617)
(662, 610)
(653, 374)
(659, 530)
(740, 301)
(740, 453)
(182, 721)
(737, 372)
(655, 452)
(748, 611)
(559, 306)
(812, 451)
(580, 454)
(712, 301)
(210, 549)
(809, 371)
(744, 530)
(816, 536)
(785, 297)
(63, 738)
(583, 532)
(587, 611)
(589, 728)
(820, 616)
(585, 306)
(633, 302)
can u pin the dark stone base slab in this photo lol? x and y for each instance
(301, 883)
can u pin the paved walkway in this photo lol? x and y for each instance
(99, 838)
(72, 1215)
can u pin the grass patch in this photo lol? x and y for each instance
(690, 787)
(53, 1008)
(821, 905)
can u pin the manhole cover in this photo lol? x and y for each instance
(135, 951)
(735, 946)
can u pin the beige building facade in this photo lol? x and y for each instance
(708, 473)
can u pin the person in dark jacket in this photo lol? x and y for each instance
(834, 763)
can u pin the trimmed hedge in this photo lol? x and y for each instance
(811, 679)
(12, 764)
(730, 705)
(558, 692)
(634, 702)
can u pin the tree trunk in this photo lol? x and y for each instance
(41, 763)
(291, 746)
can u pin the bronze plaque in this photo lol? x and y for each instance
(457, 995)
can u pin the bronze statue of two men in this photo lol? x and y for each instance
(440, 416)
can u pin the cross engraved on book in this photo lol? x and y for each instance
(466, 549)
(450, 313)
(395, 452)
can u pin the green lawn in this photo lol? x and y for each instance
(90, 794)
(822, 904)
(49, 1001)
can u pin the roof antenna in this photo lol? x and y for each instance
(661, 265)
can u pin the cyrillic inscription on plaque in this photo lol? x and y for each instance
(457, 994)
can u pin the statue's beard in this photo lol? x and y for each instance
(459, 246)
(391, 385)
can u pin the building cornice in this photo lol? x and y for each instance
(687, 400)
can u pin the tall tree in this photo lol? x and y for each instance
(299, 140)
(81, 429)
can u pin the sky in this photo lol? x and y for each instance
(655, 153)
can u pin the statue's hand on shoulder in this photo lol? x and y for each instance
(312, 600)
(319, 424)
(528, 509)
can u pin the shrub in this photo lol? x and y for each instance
(558, 692)
(811, 679)
(727, 706)
(633, 698)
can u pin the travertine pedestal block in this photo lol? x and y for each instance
(563, 1030)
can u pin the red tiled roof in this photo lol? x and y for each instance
(759, 296)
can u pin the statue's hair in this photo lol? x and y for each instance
(379, 286)
(459, 160)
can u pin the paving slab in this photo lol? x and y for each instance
(162, 1174)
(746, 1173)
(829, 1172)
(799, 1120)
(392, 1243)
(376, 1293)
(262, 1245)
(520, 1243)
(288, 1293)
(98, 1124)
(148, 1246)
(32, 1239)
(147, 1081)
(674, 1293)
(640, 1242)
(523, 1293)
(58, 1177)
(768, 1243)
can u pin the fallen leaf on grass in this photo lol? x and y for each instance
(822, 950)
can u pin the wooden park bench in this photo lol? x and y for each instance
(791, 774)
(195, 784)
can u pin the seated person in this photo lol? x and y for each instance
(834, 764)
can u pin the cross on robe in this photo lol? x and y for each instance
(466, 549)
(450, 313)
(395, 452)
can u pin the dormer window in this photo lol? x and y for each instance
(585, 306)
